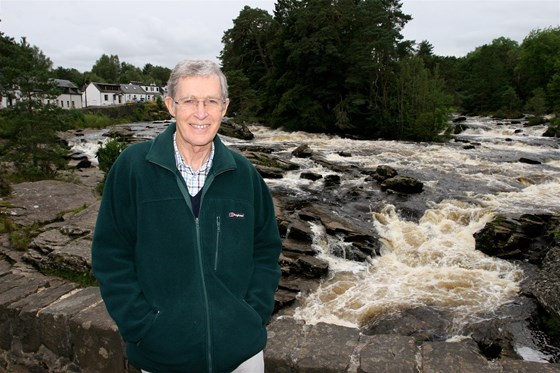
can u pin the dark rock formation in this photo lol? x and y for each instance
(302, 151)
(236, 130)
(402, 184)
(526, 238)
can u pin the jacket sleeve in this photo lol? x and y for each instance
(266, 252)
(113, 260)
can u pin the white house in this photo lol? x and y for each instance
(102, 94)
(133, 93)
(152, 91)
(70, 96)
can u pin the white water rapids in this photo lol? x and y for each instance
(432, 262)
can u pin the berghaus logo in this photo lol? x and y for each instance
(236, 215)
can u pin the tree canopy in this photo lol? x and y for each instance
(330, 66)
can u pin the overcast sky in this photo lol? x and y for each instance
(74, 34)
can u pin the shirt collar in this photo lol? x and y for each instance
(181, 164)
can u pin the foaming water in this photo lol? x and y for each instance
(430, 263)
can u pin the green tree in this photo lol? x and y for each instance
(553, 89)
(420, 101)
(106, 156)
(130, 73)
(488, 74)
(72, 75)
(539, 61)
(108, 68)
(30, 124)
(537, 102)
(334, 65)
(156, 74)
(246, 60)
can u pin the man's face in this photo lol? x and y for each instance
(198, 109)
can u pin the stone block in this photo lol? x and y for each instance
(96, 341)
(25, 310)
(5, 267)
(8, 282)
(54, 320)
(285, 337)
(14, 288)
(389, 354)
(522, 366)
(327, 348)
(461, 356)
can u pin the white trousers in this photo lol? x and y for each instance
(252, 365)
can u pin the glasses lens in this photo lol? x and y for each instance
(190, 103)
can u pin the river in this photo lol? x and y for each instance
(429, 260)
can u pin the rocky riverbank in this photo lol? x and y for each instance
(63, 214)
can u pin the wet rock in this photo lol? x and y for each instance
(268, 165)
(529, 161)
(232, 129)
(297, 247)
(547, 284)
(402, 184)
(552, 131)
(534, 240)
(302, 151)
(327, 348)
(389, 354)
(332, 181)
(423, 323)
(122, 133)
(459, 119)
(462, 356)
(312, 267)
(526, 238)
(46, 201)
(310, 176)
(384, 172)
(300, 231)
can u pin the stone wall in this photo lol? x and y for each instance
(50, 325)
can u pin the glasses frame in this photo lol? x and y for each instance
(193, 103)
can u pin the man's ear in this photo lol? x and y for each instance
(225, 107)
(170, 106)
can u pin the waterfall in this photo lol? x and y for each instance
(430, 261)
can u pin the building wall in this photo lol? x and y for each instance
(93, 97)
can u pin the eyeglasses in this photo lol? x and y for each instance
(192, 103)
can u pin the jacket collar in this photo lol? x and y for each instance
(161, 152)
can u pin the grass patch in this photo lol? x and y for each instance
(85, 279)
(21, 237)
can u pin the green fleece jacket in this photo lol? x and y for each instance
(188, 294)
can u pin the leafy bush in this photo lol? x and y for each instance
(108, 154)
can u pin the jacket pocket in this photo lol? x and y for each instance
(176, 337)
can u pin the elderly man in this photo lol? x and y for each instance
(186, 244)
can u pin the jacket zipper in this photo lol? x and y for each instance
(208, 333)
(218, 232)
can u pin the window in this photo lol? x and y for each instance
(106, 97)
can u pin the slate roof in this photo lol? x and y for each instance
(132, 89)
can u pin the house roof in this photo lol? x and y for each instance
(107, 87)
(63, 83)
(132, 89)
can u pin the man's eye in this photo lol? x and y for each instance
(213, 102)
(188, 101)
